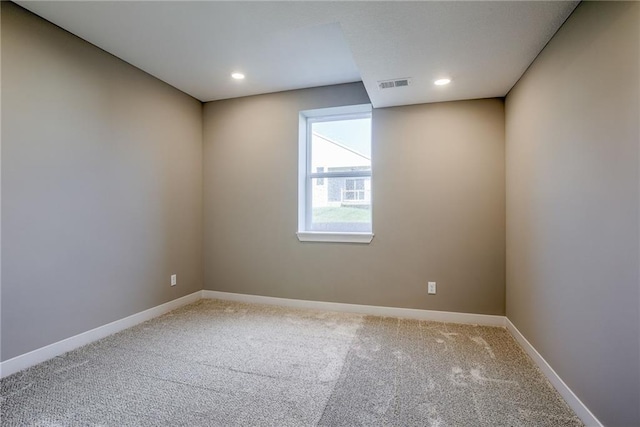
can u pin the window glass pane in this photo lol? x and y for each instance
(341, 145)
(341, 204)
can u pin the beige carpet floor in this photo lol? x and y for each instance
(216, 363)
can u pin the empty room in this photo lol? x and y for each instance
(311, 213)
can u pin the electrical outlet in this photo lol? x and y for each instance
(174, 279)
(432, 288)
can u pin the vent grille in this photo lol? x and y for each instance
(390, 84)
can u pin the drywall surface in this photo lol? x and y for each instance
(438, 214)
(572, 131)
(101, 186)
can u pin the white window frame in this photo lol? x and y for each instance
(306, 176)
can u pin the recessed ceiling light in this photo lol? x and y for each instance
(237, 76)
(442, 82)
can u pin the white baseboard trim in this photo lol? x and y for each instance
(567, 394)
(50, 351)
(409, 313)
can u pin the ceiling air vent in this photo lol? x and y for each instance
(390, 84)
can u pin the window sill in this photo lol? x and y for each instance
(318, 236)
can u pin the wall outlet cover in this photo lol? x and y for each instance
(174, 279)
(432, 288)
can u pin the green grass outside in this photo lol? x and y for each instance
(341, 214)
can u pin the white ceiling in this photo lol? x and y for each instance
(484, 47)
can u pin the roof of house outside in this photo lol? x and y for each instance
(327, 154)
(322, 137)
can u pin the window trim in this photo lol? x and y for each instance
(306, 176)
(334, 237)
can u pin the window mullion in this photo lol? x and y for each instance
(345, 174)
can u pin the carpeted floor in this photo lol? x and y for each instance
(216, 363)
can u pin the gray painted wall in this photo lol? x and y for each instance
(572, 131)
(101, 186)
(439, 207)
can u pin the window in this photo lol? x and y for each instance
(354, 190)
(334, 186)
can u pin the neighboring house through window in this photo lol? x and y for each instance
(335, 175)
(320, 181)
(354, 191)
